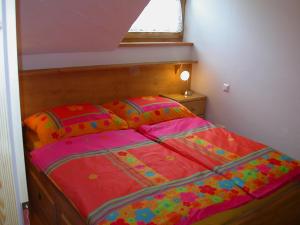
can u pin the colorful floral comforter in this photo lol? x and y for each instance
(122, 178)
(254, 167)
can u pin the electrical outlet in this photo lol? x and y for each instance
(226, 87)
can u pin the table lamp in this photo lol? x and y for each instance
(185, 75)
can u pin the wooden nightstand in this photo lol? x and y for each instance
(195, 103)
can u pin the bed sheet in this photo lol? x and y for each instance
(122, 177)
(256, 168)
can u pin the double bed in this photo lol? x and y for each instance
(166, 167)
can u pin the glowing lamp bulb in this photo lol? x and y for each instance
(185, 75)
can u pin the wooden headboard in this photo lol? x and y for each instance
(42, 89)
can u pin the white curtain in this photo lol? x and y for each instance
(159, 16)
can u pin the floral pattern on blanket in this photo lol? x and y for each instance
(256, 168)
(269, 170)
(179, 205)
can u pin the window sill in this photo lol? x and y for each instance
(154, 44)
(108, 66)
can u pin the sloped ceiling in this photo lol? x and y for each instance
(60, 26)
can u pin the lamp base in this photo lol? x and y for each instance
(188, 93)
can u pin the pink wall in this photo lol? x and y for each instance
(66, 33)
(254, 46)
(57, 26)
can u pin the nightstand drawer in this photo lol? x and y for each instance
(41, 200)
(195, 102)
(196, 107)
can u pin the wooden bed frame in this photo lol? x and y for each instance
(47, 88)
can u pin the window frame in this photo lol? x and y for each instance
(157, 36)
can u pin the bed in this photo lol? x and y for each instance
(160, 172)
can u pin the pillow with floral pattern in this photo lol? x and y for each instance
(72, 120)
(148, 110)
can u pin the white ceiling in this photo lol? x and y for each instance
(60, 26)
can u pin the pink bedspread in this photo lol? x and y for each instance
(254, 167)
(122, 177)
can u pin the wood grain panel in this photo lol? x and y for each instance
(42, 89)
(40, 196)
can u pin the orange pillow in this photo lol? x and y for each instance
(148, 110)
(72, 120)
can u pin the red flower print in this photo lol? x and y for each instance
(174, 217)
(264, 169)
(137, 205)
(143, 223)
(68, 129)
(274, 161)
(55, 135)
(81, 126)
(234, 191)
(246, 189)
(151, 223)
(116, 102)
(258, 183)
(136, 119)
(196, 205)
(209, 146)
(122, 153)
(229, 195)
(157, 112)
(139, 167)
(207, 189)
(73, 108)
(218, 178)
(241, 167)
(106, 123)
(43, 118)
(271, 177)
(187, 204)
(188, 197)
(120, 222)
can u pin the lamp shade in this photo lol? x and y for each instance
(185, 75)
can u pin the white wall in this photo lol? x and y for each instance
(120, 55)
(255, 46)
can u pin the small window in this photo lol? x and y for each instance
(161, 20)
